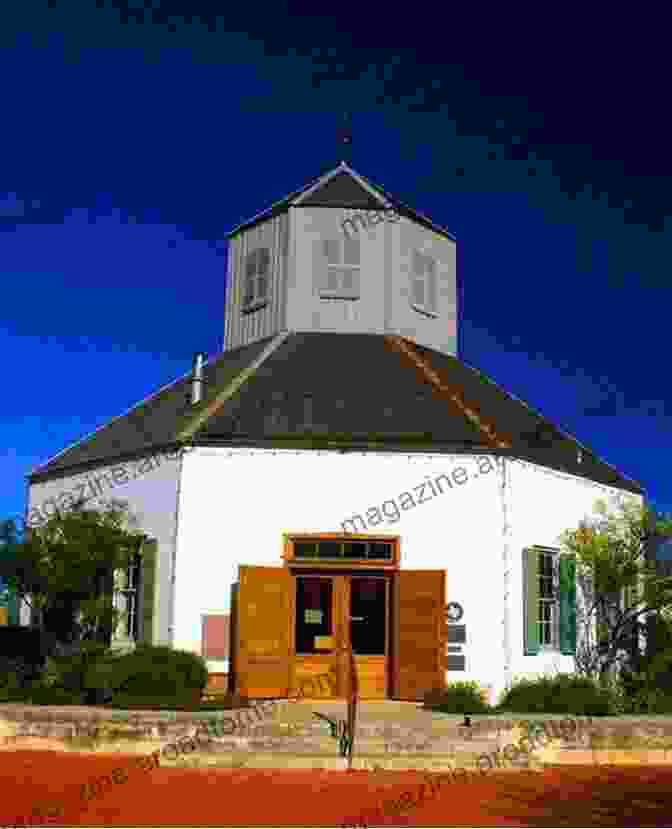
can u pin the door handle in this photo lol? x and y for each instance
(358, 618)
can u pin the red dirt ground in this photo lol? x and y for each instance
(576, 796)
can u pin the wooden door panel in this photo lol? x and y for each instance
(265, 609)
(419, 601)
(316, 675)
(371, 677)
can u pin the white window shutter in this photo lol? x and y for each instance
(431, 284)
(417, 279)
(418, 291)
(418, 265)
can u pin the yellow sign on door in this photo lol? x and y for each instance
(324, 643)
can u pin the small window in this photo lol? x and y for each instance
(423, 283)
(342, 269)
(323, 549)
(125, 599)
(257, 266)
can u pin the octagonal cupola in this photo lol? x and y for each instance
(341, 255)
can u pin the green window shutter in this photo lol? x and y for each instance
(149, 555)
(567, 604)
(13, 610)
(531, 601)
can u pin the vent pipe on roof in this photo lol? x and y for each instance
(197, 380)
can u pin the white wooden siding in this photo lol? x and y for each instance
(242, 329)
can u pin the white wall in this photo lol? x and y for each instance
(235, 504)
(150, 488)
(543, 504)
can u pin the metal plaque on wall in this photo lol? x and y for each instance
(457, 634)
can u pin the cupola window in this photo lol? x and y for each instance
(257, 266)
(341, 277)
(423, 283)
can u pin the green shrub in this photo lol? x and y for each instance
(151, 672)
(11, 686)
(69, 673)
(559, 694)
(639, 694)
(17, 667)
(40, 694)
(459, 697)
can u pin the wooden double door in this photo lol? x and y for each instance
(294, 629)
(333, 614)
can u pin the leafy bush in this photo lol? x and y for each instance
(460, 697)
(19, 668)
(11, 683)
(70, 672)
(638, 693)
(559, 694)
(151, 672)
(40, 694)
(35, 690)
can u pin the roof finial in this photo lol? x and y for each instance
(345, 148)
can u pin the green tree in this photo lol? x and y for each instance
(9, 540)
(620, 586)
(64, 569)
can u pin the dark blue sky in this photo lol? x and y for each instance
(131, 143)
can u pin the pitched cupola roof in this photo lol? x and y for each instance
(342, 187)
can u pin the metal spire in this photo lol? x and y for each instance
(345, 138)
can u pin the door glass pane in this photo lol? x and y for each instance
(313, 613)
(367, 616)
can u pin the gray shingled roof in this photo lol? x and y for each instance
(347, 391)
(154, 422)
